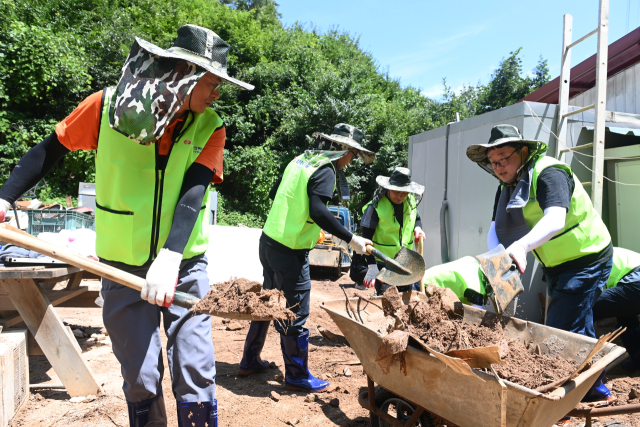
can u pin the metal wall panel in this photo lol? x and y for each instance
(623, 92)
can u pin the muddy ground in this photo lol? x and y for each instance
(241, 401)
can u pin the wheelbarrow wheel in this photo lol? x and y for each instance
(398, 408)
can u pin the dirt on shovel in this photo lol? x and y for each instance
(239, 298)
(438, 323)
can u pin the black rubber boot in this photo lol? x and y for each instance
(148, 413)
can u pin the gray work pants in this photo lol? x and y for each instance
(134, 328)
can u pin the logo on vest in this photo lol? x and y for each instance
(197, 150)
(187, 142)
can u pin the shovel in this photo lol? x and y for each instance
(503, 275)
(405, 268)
(18, 237)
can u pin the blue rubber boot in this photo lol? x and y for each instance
(197, 414)
(148, 413)
(295, 351)
(251, 362)
(599, 393)
(631, 341)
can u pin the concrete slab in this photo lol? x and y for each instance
(233, 252)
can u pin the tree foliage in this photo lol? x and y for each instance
(54, 53)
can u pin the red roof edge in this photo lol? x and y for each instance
(623, 53)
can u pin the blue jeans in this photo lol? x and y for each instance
(573, 295)
(290, 274)
(621, 301)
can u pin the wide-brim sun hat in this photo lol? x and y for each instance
(155, 82)
(348, 137)
(400, 180)
(500, 135)
(201, 47)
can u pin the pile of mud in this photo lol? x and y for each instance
(438, 323)
(244, 297)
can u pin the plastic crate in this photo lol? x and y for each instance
(53, 220)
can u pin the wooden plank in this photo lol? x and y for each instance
(56, 297)
(52, 337)
(74, 281)
(44, 273)
(33, 349)
(86, 299)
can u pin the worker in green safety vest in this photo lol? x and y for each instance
(621, 299)
(160, 145)
(298, 214)
(464, 277)
(541, 207)
(391, 220)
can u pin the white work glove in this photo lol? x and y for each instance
(162, 278)
(370, 278)
(359, 244)
(4, 207)
(418, 234)
(518, 253)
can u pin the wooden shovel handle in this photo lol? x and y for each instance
(24, 240)
(421, 251)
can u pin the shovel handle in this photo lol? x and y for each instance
(24, 240)
(389, 261)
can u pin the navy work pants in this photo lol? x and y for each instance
(621, 301)
(290, 274)
(573, 295)
(134, 328)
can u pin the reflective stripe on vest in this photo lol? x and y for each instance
(624, 261)
(131, 192)
(289, 222)
(387, 235)
(584, 232)
(460, 275)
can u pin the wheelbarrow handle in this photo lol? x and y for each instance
(389, 261)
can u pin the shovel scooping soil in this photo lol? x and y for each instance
(437, 322)
(244, 299)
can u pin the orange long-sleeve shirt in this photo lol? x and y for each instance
(79, 131)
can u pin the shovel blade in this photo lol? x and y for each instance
(503, 276)
(411, 261)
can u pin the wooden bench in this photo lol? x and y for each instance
(27, 295)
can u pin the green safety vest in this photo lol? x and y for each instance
(460, 275)
(624, 261)
(289, 222)
(135, 201)
(584, 232)
(388, 237)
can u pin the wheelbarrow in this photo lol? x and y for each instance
(427, 385)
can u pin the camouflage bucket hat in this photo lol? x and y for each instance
(155, 82)
(346, 137)
(500, 135)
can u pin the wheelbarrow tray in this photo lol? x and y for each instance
(467, 400)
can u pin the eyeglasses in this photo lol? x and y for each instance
(217, 86)
(504, 161)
